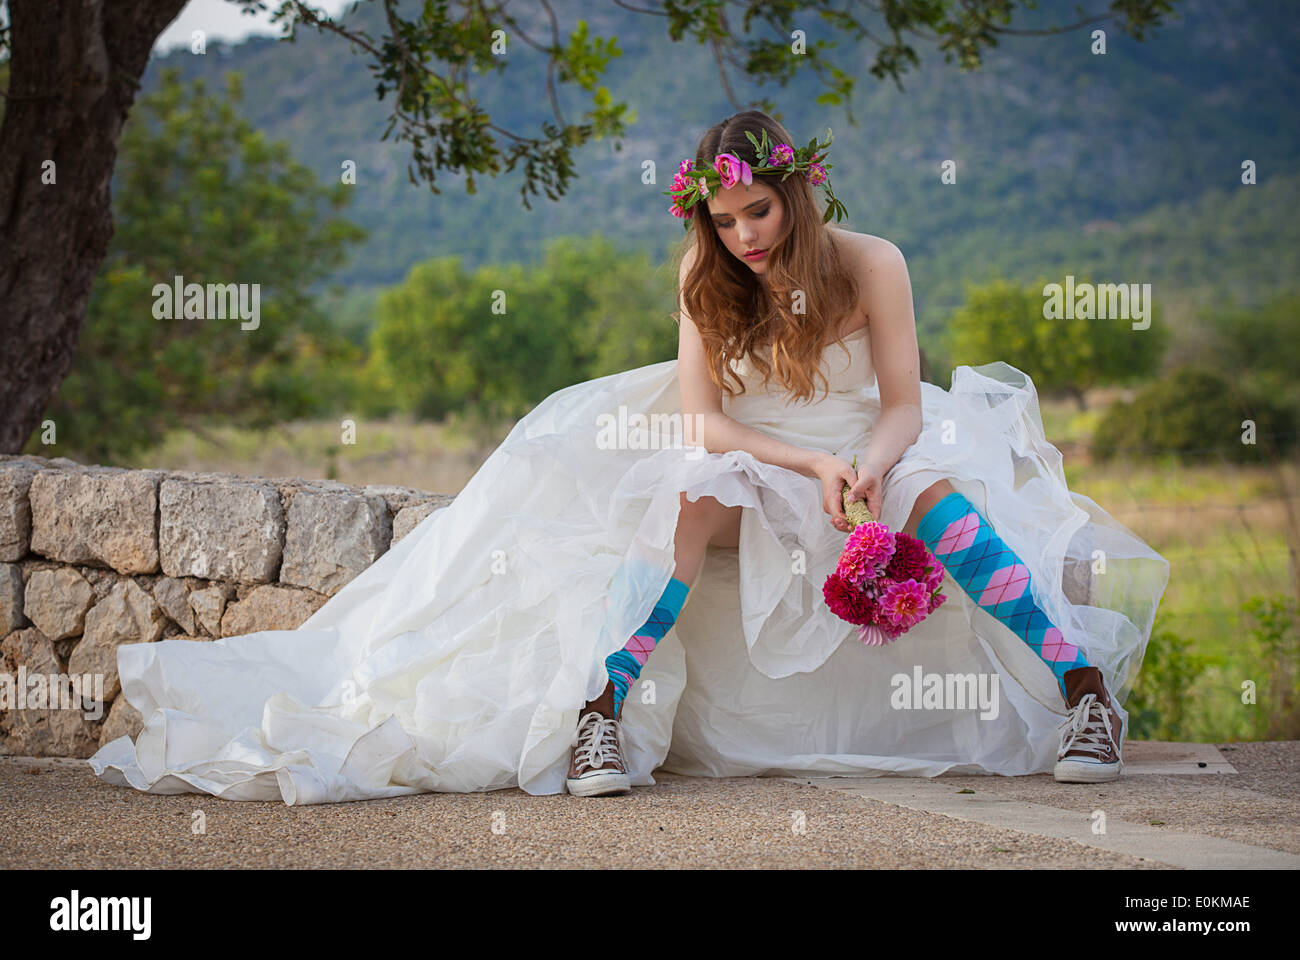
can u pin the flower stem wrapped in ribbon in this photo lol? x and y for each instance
(885, 582)
(855, 510)
(691, 186)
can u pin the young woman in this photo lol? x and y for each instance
(758, 243)
(537, 632)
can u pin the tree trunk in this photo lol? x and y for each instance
(74, 72)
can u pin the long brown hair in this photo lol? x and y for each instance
(735, 315)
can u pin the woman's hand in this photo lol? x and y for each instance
(834, 474)
(869, 486)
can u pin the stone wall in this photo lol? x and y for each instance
(93, 557)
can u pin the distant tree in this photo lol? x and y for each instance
(610, 306)
(206, 197)
(1005, 321)
(76, 67)
(493, 343)
(435, 337)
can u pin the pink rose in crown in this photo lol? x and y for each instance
(816, 174)
(732, 170)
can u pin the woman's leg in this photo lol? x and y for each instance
(987, 569)
(700, 523)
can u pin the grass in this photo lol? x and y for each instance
(1227, 531)
(439, 458)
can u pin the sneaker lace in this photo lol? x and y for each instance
(1087, 728)
(598, 740)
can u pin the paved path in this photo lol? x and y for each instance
(57, 814)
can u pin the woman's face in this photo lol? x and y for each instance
(747, 218)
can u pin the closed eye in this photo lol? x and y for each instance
(757, 216)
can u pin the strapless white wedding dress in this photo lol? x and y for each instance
(460, 659)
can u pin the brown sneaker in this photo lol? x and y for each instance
(1091, 735)
(596, 765)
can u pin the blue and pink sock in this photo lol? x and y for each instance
(625, 665)
(995, 578)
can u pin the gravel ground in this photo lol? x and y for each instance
(1261, 804)
(56, 814)
(63, 817)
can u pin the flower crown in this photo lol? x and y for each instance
(692, 186)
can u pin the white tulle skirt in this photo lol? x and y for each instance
(459, 661)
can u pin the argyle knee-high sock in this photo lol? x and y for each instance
(625, 665)
(995, 578)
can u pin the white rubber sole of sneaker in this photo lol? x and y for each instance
(599, 785)
(1081, 771)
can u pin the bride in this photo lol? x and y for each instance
(591, 607)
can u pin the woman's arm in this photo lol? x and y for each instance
(894, 354)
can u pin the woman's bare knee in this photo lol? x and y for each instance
(705, 506)
(709, 520)
(695, 519)
(927, 499)
(726, 530)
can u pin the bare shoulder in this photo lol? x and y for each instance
(871, 253)
(878, 266)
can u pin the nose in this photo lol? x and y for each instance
(747, 234)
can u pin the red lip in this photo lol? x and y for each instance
(751, 253)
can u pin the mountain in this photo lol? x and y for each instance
(1126, 164)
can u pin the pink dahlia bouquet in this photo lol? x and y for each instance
(885, 582)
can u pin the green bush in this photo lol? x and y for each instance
(1259, 345)
(1162, 699)
(1276, 641)
(1198, 414)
